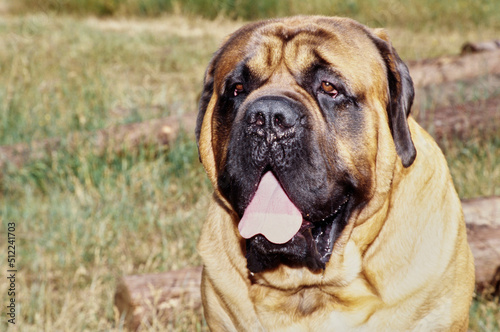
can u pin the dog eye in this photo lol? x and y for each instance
(329, 89)
(238, 88)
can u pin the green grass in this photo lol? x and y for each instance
(384, 12)
(475, 165)
(485, 314)
(61, 75)
(420, 24)
(83, 219)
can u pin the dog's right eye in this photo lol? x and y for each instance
(238, 88)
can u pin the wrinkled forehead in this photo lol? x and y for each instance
(299, 43)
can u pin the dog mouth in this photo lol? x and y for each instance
(324, 232)
(277, 232)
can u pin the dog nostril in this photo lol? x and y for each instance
(259, 119)
(280, 121)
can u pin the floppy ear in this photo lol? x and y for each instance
(206, 95)
(401, 95)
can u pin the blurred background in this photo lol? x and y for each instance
(89, 209)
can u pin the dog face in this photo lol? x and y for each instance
(316, 104)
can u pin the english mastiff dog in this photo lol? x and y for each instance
(333, 210)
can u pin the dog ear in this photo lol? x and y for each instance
(401, 95)
(208, 88)
(206, 95)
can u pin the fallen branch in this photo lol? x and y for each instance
(120, 138)
(139, 297)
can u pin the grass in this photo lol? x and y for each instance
(474, 165)
(72, 75)
(83, 219)
(427, 27)
(383, 12)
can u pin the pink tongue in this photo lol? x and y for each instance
(270, 213)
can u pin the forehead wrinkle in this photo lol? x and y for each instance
(269, 51)
(278, 41)
(299, 53)
(266, 53)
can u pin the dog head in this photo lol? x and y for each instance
(300, 122)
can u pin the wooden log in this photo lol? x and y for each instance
(482, 216)
(119, 138)
(487, 46)
(454, 68)
(139, 297)
(482, 211)
(484, 242)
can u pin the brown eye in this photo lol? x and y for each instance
(238, 88)
(329, 89)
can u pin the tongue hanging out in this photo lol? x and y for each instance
(270, 213)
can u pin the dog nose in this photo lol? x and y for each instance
(272, 117)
